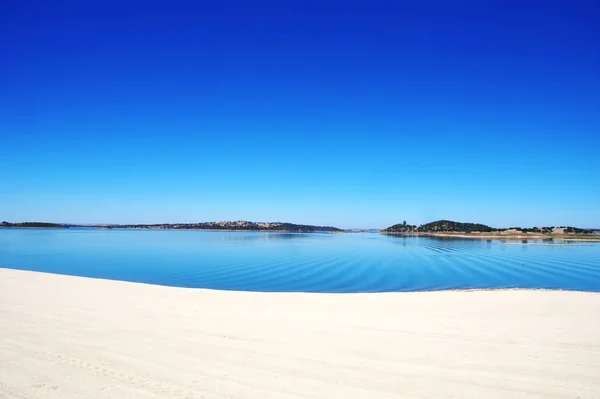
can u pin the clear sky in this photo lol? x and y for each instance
(345, 113)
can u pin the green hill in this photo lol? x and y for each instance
(439, 226)
(402, 228)
(447, 226)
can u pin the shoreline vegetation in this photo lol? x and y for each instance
(451, 229)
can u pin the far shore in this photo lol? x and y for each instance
(171, 229)
(73, 337)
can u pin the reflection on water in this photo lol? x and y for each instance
(320, 262)
(260, 236)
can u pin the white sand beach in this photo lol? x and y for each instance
(71, 337)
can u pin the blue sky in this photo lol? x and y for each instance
(345, 113)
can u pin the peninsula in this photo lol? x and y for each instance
(448, 228)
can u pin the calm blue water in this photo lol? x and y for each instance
(300, 262)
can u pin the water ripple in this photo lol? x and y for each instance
(303, 262)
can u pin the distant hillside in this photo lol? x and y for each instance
(33, 224)
(402, 228)
(236, 226)
(240, 225)
(439, 226)
(446, 226)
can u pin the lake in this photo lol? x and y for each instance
(289, 262)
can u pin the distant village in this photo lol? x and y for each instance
(240, 225)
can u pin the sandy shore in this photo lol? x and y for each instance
(71, 337)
